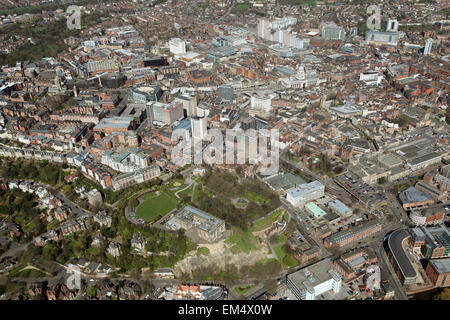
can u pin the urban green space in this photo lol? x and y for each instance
(285, 258)
(202, 251)
(266, 222)
(242, 241)
(157, 206)
(241, 7)
(221, 188)
(175, 183)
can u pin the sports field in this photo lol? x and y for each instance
(153, 207)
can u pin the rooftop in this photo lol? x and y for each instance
(395, 244)
(339, 206)
(114, 122)
(412, 195)
(313, 275)
(441, 265)
(306, 188)
(284, 181)
(315, 209)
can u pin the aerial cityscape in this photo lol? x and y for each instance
(224, 150)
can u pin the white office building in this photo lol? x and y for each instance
(189, 101)
(261, 103)
(304, 193)
(315, 280)
(428, 45)
(165, 114)
(371, 77)
(177, 46)
(278, 36)
(129, 160)
(282, 23)
(331, 31)
(382, 38)
(298, 43)
(264, 28)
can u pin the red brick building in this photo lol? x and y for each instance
(199, 76)
(438, 270)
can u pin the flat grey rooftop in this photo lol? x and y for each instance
(441, 265)
(395, 244)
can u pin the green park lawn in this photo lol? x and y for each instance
(186, 192)
(242, 241)
(282, 238)
(157, 206)
(266, 222)
(202, 251)
(285, 259)
(147, 196)
(196, 192)
(175, 183)
(241, 7)
(257, 198)
(30, 273)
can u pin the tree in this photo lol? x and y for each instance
(382, 180)
(134, 203)
(66, 189)
(91, 292)
(31, 252)
(288, 250)
(444, 295)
